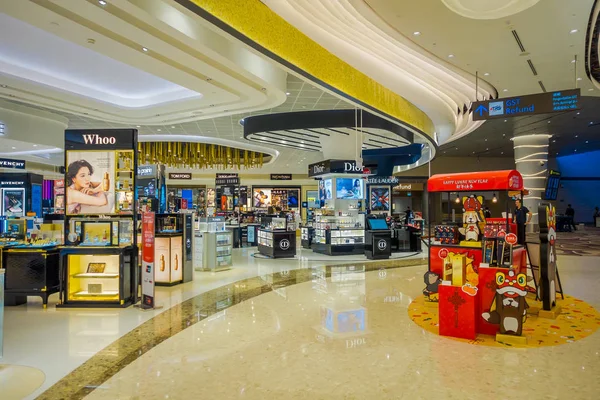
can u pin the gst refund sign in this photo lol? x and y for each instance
(540, 103)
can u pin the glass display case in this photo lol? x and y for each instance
(277, 243)
(101, 232)
(339, 235)
(97, 276)
(124, 185)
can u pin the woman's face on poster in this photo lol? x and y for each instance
(83, 178)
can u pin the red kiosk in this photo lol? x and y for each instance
(466, 269)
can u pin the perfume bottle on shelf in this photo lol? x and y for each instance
(162, 262)
(106, 182)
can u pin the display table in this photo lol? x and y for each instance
(277, 243)
(30, 272)
(98, 276)
(378, 244)
(168, 259)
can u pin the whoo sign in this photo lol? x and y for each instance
(101, 139)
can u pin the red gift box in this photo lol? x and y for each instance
(486, 291)
(457, 312)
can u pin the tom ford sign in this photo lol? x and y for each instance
(180, 175)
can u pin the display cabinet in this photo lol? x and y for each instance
(339, 235)
(168, 259)
(306, 236)
(97, 276)
(277, 244)
(30, 271)
(217, 251)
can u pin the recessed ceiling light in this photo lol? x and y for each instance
(590, 89)
(173, 127)
(137, 126)
(505, 90)
(554, 141)
(14, 148)
(416, 33)
(486, 140)
(576, 135)
(209, 132)
(486, 149)
(574, 31)
(587, 141)
(35, 145)
(548, 121)
(159, 130)
(505, 120)
(578, 113)
(575, 150)
(486, 74)
(450, 55)
(578, 79)
(573, 61)
(102, 2)
(473, 152)
(144, 49)
(287, 93)
(502, 152)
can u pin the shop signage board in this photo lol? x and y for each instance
(476, 181)
(382, 180)
(148, 260)
(14, 164)
(409, 187)
(227, 179)
(180, 175)
(281, 177)
(539, 103)
(335, 167)
(146, 170)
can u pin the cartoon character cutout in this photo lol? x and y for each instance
(471, 218)
(432, 283)
(510, 304)
(551, 222)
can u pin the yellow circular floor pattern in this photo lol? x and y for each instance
(576, 321)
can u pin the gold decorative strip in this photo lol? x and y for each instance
(197, 155)
(261, 25)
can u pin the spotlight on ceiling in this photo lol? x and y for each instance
(450, 55)
(486, 74)
(457, 199)
(494, 199)
(574, 31)
(417, 33)
(102, 2)
(145, 49)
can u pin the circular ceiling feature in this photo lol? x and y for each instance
(488, 9)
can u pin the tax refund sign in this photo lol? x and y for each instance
(540, 103)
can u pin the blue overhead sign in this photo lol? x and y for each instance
(540, 103)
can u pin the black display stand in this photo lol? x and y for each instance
(236, 231)
(401, 240)
(378, 244)
(254, 235)
(30, 272)
(282, 245)
(127, 273)
(415, 239)
(24, 181)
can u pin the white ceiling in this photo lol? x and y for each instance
(489, 47)
(302, 97)
(58, 54)
(41, 57)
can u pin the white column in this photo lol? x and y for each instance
(531, 159)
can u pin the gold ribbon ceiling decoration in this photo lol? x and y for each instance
(198, 155)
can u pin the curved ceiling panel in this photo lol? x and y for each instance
(254, 23)
(488, 9)
(157, 64)
(355, 33)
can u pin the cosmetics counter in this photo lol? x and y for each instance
(213, 249)
(173, 249)
(339, 235)
(276, 239)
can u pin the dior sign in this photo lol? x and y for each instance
(352, 167)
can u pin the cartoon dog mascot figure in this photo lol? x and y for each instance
(511, 306)
(471, 218)
(432, 282)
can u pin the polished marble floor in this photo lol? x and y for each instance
(56, 341)
(346, 335)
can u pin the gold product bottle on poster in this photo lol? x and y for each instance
(106, 182)
(162, 262)
(176, 262)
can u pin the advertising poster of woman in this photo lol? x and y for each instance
(90, 182)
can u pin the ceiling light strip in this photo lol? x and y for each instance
(320, 133)
(278, 134)
(337, 131)
(284, 145)
(390, 139)
(300, 133)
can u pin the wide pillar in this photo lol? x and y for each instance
(531, 159)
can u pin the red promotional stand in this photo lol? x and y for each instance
(466, 260)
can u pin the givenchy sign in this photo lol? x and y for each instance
(8, 163)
